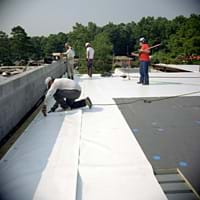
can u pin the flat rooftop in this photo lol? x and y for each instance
(109, 151)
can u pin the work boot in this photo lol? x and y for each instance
(54, 107)
(88, 102)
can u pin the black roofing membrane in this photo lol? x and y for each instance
(168, 131)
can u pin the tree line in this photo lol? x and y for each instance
(179, 38)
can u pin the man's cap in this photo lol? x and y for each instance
(47, 80)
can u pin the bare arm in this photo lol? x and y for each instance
(135, 54)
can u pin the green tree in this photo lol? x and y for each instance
(132, 38)
(61, 40)
(43, 42)
(186, 40)
(20, 44)
(103, 52)
(77, 38)
(92, 31)
(179, 37)
(120, 37)
(37, 52)
(4, 49)
(52, 45)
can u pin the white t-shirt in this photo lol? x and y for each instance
(90, 53)
(61, 84)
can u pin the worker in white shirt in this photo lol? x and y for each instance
(89, 58)
(69, 60)
(65, 92)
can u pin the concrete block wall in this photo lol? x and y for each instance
(20, 93)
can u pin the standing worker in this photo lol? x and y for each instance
(69, 61)
(89, 58)
(144, 59)
(65, 92)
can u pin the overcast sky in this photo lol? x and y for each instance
(44, 17)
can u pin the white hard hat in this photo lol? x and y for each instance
(142, 39)
(47, 80)
(86, 44)
(4, 74)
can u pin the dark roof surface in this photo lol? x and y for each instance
(168, 131)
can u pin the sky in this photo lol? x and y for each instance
(44, 17)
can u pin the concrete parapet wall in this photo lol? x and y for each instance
(20, 93)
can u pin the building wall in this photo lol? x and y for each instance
(20, 93)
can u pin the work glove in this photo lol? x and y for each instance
(44, 110)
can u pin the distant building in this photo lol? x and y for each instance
(122, 61)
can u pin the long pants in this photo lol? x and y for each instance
(66, 99)
(70, 69)
(144, 72)
(90, 67)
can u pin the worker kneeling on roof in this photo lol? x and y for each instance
(65, 92)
